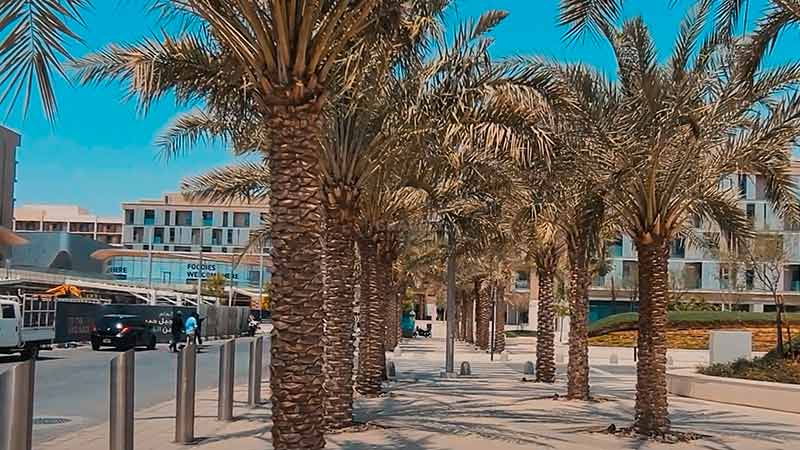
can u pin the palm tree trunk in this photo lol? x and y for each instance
(484, 317)
(578, 365)
(339, 305)
(545, 328)
(651, 385)
(464, 315)
(500, 320)
(297, 306)
(370, 367)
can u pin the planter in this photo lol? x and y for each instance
(735, 391)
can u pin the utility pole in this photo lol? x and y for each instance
(260, 281)
(230, 290)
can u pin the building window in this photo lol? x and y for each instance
(677, 248)
(230, 236)
(128, 217)
(206, 249)
(522, 281)
(182, 248)
(253, 276)
(742, 185)
(145, 247)
(183, 218)
(167, 217)
(138, 234)
(615, 248)
(749, 279)
(197, 236)
(693, 275)
(172, 234)
(208, 218)
(750, 209)
(158, 235)
(216, 236)
(241, 219)
(225, 218)
(630, 272)
(149, 217)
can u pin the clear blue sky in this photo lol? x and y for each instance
(99, 153)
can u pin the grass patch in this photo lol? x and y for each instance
(767, 368)
(684, 320)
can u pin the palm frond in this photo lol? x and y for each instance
(241, 182)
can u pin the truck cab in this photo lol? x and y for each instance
(26, 324)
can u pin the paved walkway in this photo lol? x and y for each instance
(491, 409)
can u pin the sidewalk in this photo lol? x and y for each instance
(491, 409)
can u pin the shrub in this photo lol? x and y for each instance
(682, 320)
(766, 368)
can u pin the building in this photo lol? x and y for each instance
(70, 219)
(58, 251)
(176, 240)
(9, 141)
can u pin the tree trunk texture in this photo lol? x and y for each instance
(484, 317)
(385, 292)
(500, 320)
(372, 310)
(464, 323)
(578, 365)
(297, 306)
(651, 385)
(545, 329)
(339, 307)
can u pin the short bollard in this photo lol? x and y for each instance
(184, 413)
(529, 369)
(391, 370)
(465, 370)
(122, 398)
(227, 354)
(254, 377)
(613, 359)
(16, 406)
(670, 362)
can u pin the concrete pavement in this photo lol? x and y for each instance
(491, 409)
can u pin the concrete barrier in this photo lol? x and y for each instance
(757, 394)
(728, 346)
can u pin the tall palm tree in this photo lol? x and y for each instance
(293, 57)
(674, 133)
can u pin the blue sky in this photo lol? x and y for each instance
(100, 151)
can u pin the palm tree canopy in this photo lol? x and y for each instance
(34, 36)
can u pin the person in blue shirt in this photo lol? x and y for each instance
(190, 328)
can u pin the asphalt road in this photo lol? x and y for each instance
(73, 384)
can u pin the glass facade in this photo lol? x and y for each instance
(181, 271)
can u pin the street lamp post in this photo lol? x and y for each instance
(230, 290)
(451, 303)
(260, 281)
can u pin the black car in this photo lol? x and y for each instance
(123, 332)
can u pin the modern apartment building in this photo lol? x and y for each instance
(176, 240)
(70, 219)
(9, 141)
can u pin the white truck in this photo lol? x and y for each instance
(26, 324)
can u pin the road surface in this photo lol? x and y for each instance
(73, 384)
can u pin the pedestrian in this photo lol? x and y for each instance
(177, 330)
(199, 328)
(190, 328)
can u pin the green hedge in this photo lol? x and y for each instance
(682, 320)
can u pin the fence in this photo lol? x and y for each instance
(74, 320)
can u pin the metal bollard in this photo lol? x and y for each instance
(529, 368)
(16, 406)
(184, 413)
(465, 369)
(122, 397)
(227, 354)
(254, 378)
(613, 359)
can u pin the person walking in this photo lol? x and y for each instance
(190, 328)
(199, 328)
(177, 330)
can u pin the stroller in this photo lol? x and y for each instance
(424, 332)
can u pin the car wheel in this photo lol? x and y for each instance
(152, 344)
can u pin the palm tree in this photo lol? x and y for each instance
(33, 43)
(670, 136)
(293, 57)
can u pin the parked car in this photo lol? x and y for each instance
(26, 324)
(123, 332)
